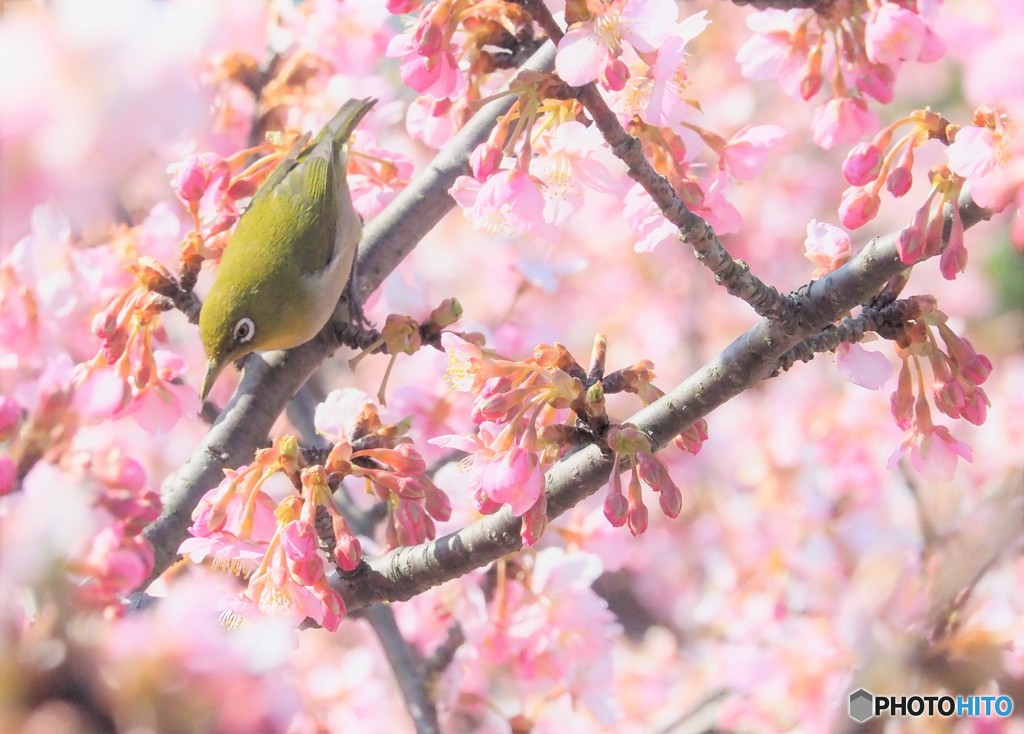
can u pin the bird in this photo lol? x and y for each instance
(291, 255)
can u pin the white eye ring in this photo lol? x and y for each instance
(245, 330)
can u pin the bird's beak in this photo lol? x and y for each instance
(213, 369)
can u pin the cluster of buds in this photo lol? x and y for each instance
(282, 548)
(958, 372)
(428, 57)
(531, 411)
(119, 559)
(393, 471)
(210, 187)
(855, 48)
(630, 445)
(869, 166)
(129, 375)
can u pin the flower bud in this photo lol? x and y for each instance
(862, 164)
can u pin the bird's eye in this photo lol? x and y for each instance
(245, 330)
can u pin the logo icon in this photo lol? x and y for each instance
(861, 705)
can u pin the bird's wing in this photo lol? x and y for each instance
(308, 184)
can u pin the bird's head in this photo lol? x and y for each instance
(231, 327)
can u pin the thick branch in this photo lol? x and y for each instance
(269, 382)
(408, 571)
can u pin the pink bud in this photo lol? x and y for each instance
(898, 181)
(348, 552)
(976, 369)
(300, 544)
(858, 207)
(901, 402)
(954, 257)
(437, 503)
(615, 509)
(862, 164)
(976, 408)
(397, 7)
(637, 519)
(8, 475)
(876, 81)
(485, 160)
(615, 75)
(428, 39)
(535, 520)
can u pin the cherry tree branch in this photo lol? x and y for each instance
(270, 381)
(733, 275)
(411, 570)
(409, 668)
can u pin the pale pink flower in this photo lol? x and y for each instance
(433, 72)
(336, 416)
(509, 203)
(747, 150)
(667, 104)
(431, 121)
(826, 246)
(114, 565)
(645, 218)
(894, 34)
(842, 121)
(773, 52)
(588, 46)
(932, 451)
(159, 404)
(863, 367)
(568, 164)
(513, 477)
(719, 211)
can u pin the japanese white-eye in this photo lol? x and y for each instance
(288, 261)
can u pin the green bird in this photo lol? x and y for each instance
(291, 254)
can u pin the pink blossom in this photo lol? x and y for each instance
(191, 178)
(509, 203)
(336, 417)
(513, 477)
(430, 71)
(774, 52)
(932, 451)
(568, 164)
(301, 549)
(719, 211)
(667, 103)
(588, 46)
(842, 121)
(894, 34)
(645, 218)
(826, 246)
(747, 150)
(863, 367)
(876, 81)
(159, 404)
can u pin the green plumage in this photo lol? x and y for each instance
(290, 255)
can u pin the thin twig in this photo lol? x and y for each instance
(733, 275)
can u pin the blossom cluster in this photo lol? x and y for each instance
(526, 411)
(277, 544)
(852, 49)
